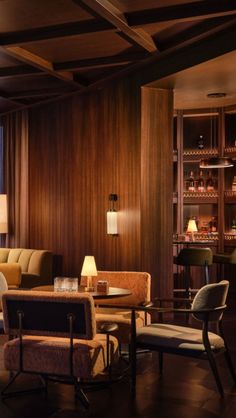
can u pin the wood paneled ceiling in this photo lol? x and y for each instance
(50, 48)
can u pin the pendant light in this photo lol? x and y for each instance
(221, 161)
(216, 162)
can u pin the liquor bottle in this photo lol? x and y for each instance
(234, 184)
(191, 182)
(210, 183)
(233, 227)
(200, 182)
(213, 224)
(200, 142)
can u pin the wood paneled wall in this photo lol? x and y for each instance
(156, 188)
(81, 150)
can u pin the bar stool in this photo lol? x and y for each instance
(222, 259)
(188, 257)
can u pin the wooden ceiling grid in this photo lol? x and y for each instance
(51, 48)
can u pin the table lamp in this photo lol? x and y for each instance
(89, 269)
(192, 227)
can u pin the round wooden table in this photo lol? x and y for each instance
(113, 292)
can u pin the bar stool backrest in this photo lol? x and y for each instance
(194, 257)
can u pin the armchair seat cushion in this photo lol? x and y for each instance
(49, 355)
(123, 319)
(175, 337)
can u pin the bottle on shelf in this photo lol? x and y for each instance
(213, 224)
(234, 184)
(191, 182)
(200, 142)
(210, 183)
(233, 227)
(200, 182)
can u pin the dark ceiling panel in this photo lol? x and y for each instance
(54, 47)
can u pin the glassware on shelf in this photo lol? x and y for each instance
(200, 142)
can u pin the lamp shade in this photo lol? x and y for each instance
(89, 266)
(192, 226)
(112, 222)
(3, 214)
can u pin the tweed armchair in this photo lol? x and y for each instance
(55, 336)
(139, 283)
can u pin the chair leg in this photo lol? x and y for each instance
(187, 281)
(226, 354)
(215, 372)
(160, 362)
(230, 365)
(79, 394)
(207, 280)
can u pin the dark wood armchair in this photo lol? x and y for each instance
(207, 307)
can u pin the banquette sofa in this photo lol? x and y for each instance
(26, 268)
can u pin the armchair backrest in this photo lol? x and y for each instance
(211, 296)
(138, 282)
(46, 313)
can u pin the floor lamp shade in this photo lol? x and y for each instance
(3, 214)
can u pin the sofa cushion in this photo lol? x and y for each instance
(24, 259)
(14, 255)
(4, 252)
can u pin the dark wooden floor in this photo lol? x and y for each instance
(187, 389)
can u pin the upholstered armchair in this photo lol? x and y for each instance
(139, 283)
(207, 307)
(54, 336)
(12, 274)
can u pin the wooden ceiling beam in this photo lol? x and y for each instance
(7, 97)
(37, 93)
(180, 12)
(19, 70)
(40, 63)
(114, 16)
(56, 31)
(108, 61)
(199, 29)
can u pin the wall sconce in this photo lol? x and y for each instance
(112, 216)
(89, 269)
(192, 227)
(3, 214)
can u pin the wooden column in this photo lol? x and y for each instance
(157, 188)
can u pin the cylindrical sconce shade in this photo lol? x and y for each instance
(112, 224)
(3, 214)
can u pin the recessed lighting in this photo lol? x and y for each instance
(215, 95)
